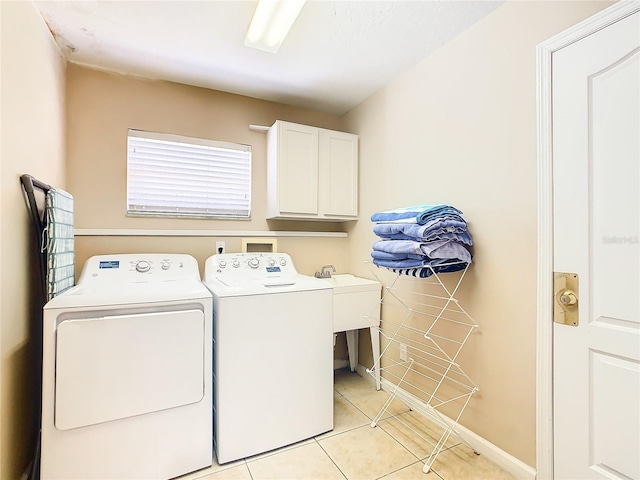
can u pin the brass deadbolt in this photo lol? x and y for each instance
(568, 298)
(565, 292)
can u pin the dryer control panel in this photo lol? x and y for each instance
(236, 268)
(127, 268)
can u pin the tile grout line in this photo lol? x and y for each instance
(330, 458)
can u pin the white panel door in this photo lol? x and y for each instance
(596, 183)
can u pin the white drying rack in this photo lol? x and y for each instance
(423, 329)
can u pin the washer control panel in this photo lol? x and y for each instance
(266, 268)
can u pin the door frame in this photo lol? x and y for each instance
(544, 333)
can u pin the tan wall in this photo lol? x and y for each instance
(102, 106)
(460, 128)
(32, 134)
(309, 254)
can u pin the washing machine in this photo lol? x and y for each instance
(127, 387)
(273, 353)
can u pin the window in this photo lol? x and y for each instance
(175, 176)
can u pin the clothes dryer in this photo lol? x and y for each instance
(127, 382)
(273, 353)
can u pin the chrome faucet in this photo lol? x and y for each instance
(324, 271)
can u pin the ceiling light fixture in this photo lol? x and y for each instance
(271, 23)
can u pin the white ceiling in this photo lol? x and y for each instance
(337, 54)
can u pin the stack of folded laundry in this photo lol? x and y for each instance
(421, 240)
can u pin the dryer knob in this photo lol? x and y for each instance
(272, 262)
(222, 263)
(283, 262)
(165, 265)
(254, 262)
(143, 266)
(236, 263)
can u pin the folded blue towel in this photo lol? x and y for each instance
(462, 237)
(449, 223)
(377, 254)
(412, 262)
(419, 214)
(445, 249)
(399, 246)
(445, 228)
(424, 272)
(406, 263)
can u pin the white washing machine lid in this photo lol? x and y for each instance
(134, 278)
(299, 283)
(240, 274)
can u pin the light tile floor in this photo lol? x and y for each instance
(354, 450)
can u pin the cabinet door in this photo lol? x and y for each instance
(338, 173)
(297, 169)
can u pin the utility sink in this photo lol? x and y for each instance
(347, 283)
(356, 302)
(356, 305)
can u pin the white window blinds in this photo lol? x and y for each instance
(171, 175)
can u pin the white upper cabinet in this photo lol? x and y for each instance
(312, 173)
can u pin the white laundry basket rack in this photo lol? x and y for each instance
(423, 329)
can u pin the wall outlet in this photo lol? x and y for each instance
(403, 351)
(220, 247)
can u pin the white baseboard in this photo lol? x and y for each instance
(511, 464)
(339, 363)
(362, 371)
